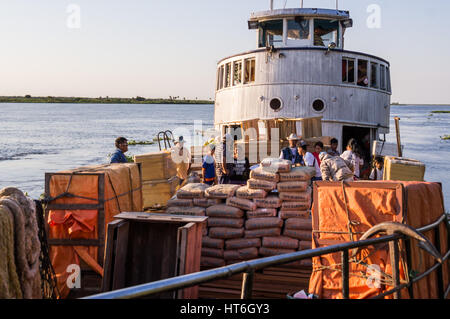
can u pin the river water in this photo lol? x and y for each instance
(40, 138)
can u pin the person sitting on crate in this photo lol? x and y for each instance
(291, 153)
(121, 148)
(335, 168)
(182, 158)
(377, 171)
(209, 166)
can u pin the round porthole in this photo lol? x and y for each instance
(318, 105)
(276, 104)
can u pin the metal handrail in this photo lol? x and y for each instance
(249, 267)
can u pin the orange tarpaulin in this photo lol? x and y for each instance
(425, 205)
(122, 192)
(342, 215)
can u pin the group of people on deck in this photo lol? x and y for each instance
(330, 165)
(218, 169)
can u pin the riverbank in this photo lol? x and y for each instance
(99, 100)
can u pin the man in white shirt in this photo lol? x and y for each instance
(377, 171)
(182, 158)
(352, 154)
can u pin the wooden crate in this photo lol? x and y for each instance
(157, 193)
(156, 166)
(70, 200)
(403, 169)
(142, 248)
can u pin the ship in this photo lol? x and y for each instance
(300, 79)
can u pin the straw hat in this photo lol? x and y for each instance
(293, 137)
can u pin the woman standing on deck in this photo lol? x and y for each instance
(353, 154)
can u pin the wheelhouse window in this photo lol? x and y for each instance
(348, 70)
(271, 33)
(388, 77)
(220, 77)
(383, 77)
(237, 72)
(363, 79)
(326, 32)
(297, 31)
(228, 75)
(249, 70)
(374, 75)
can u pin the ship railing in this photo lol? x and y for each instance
(248, 268)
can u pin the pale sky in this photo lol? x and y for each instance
(159, 48)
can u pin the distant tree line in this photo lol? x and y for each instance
(100, 100)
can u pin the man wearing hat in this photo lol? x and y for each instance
(291, 153)
(182, 158)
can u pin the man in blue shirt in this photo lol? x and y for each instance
(122, 147)
(208, 166)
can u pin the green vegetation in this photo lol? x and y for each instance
(439, 112)
(99, 100)
(129, 158)
(133, 142)
(445, 137)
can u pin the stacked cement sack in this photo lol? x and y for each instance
(268, 216)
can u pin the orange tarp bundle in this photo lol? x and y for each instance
(425, 205)
(122, 192)
(367, 204)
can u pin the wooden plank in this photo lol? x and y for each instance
(108, 265)
(182, 243)
(121, 250)
(158, 218)
(190, 255)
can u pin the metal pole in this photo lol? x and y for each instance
(394, 256)
(337, 4)
(301, 3)
(247, 285)
(440, 280)
(345, 274)
(271, 5)
(397, 130)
